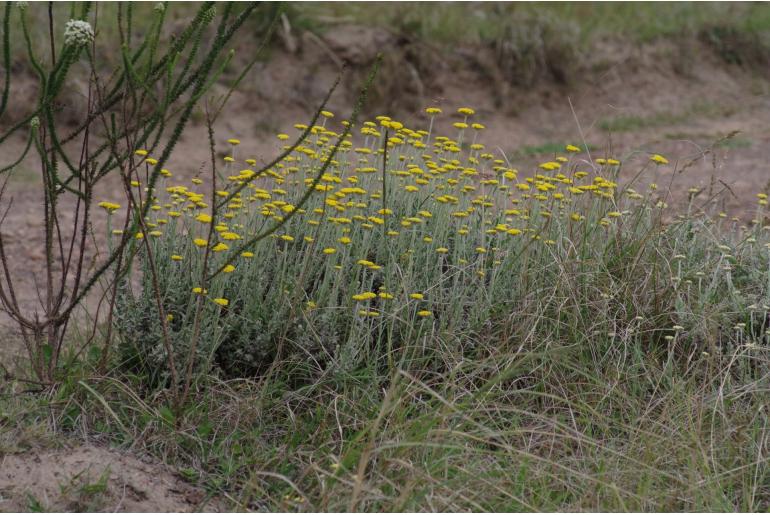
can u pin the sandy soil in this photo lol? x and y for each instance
(677, 106)
(88, 478)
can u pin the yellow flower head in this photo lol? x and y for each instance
(367, 295)
(109, 206)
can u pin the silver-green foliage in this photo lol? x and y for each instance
(629, 281)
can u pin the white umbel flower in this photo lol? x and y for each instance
(78, 33)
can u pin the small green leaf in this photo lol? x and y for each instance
(204, 429)
(166, 415)
(47, 353)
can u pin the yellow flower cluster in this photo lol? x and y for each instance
(445, 200)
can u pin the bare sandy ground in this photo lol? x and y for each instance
(89, 478)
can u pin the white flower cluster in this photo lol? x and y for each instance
(78, 33)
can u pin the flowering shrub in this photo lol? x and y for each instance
(411, 244)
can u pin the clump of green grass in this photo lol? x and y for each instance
(630, 123)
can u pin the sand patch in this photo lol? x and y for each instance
(89, 478)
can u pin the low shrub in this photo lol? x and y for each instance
(412, 245)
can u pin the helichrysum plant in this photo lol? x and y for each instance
(413, 244)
